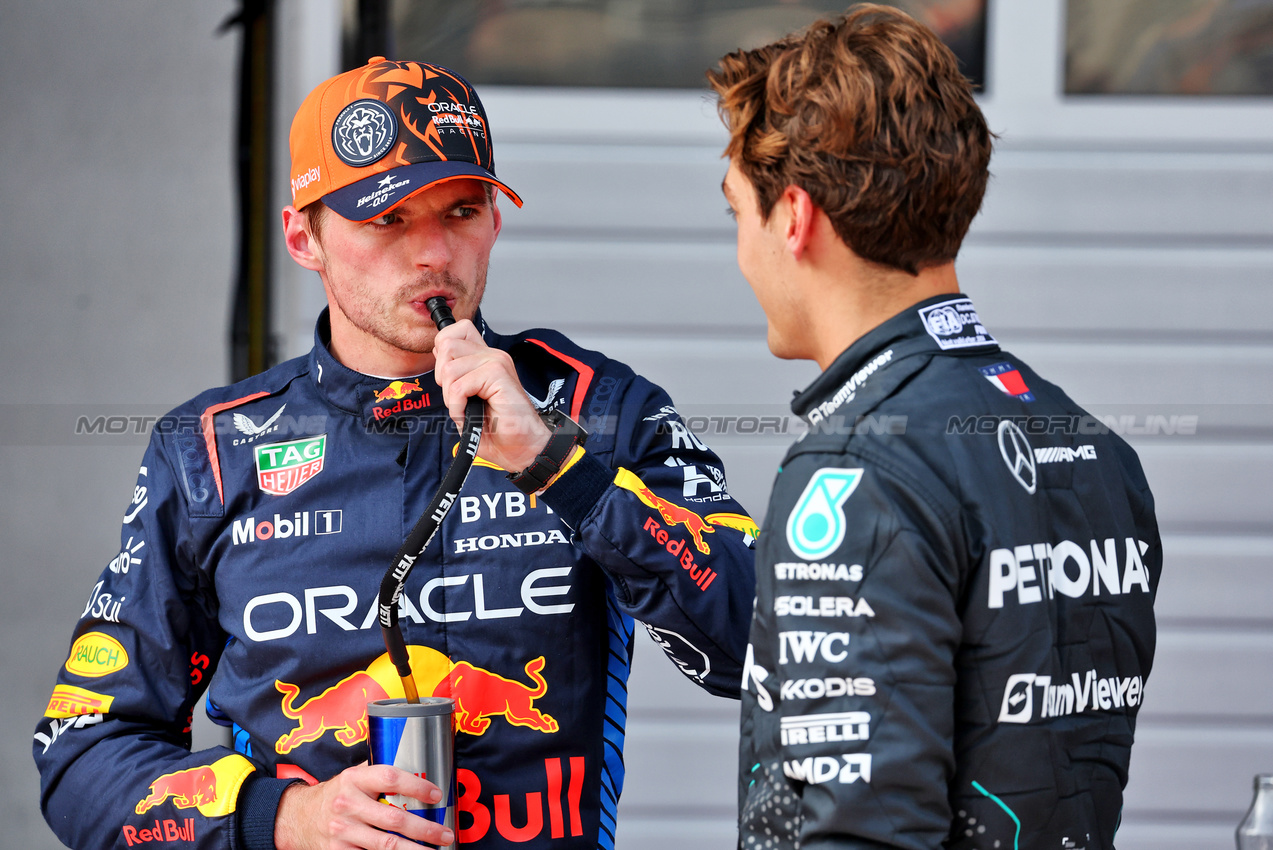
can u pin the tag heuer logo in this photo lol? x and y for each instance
(282, 467)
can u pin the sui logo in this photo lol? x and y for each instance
(816, 527)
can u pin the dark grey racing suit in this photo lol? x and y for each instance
(954, 615)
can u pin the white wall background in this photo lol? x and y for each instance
(1125, 250)
(116, 255)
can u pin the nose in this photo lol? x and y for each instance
(429, 244)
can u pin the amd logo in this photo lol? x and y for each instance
(819, 770)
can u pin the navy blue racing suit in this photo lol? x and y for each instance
(264, 517)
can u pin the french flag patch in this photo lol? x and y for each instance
(1006, 377)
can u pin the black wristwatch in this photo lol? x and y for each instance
(566, 435)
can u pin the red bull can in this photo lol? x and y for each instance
(416, 737)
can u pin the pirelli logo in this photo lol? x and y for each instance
(70, 701)
(826, 728)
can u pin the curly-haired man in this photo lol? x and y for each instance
(956, 575)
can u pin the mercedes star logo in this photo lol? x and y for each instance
(1018, 455)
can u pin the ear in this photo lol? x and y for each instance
(800, 220)
(495, 213)
(299, 242)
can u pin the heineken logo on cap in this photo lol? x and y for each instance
(282, 467)
(363, 132)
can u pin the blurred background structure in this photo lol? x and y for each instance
(1125, 250)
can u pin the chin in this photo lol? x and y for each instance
(782, 347)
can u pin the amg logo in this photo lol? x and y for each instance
(821, 769)
(1064, 454)
(826, 728)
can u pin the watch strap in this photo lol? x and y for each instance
(559, 449)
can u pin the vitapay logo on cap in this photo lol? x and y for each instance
(421, 122)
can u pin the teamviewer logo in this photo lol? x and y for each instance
(1018, 699)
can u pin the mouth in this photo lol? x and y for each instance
(419, 301)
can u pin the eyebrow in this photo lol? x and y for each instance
(724, 190)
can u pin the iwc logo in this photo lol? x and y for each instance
(364, 131)
(816, 527)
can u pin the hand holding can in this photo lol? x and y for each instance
(416, 737)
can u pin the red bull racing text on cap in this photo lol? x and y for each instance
(366, 140)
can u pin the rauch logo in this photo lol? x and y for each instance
(96, 654)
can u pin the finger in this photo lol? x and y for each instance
(412, 831)
(374, 780)
(368, 818)
(391, 819)
(461, 335)
(483, 375)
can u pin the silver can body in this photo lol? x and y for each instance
(417, 737)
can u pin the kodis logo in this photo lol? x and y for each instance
(282, 467)
(95, 654)
(816, 527)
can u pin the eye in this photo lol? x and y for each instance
(385, 220)
(466, 212)
(729, 211)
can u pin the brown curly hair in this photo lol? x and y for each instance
(869, 114)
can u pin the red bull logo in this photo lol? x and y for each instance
(398, 390)
(211, 788)
(500, 697)
(187, 788)
(342, 708)
(673, 515)
(479, 695)
(166, 831)
(560, 795)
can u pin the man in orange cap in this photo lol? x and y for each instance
(265, 515)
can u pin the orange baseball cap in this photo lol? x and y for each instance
(368, 139)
